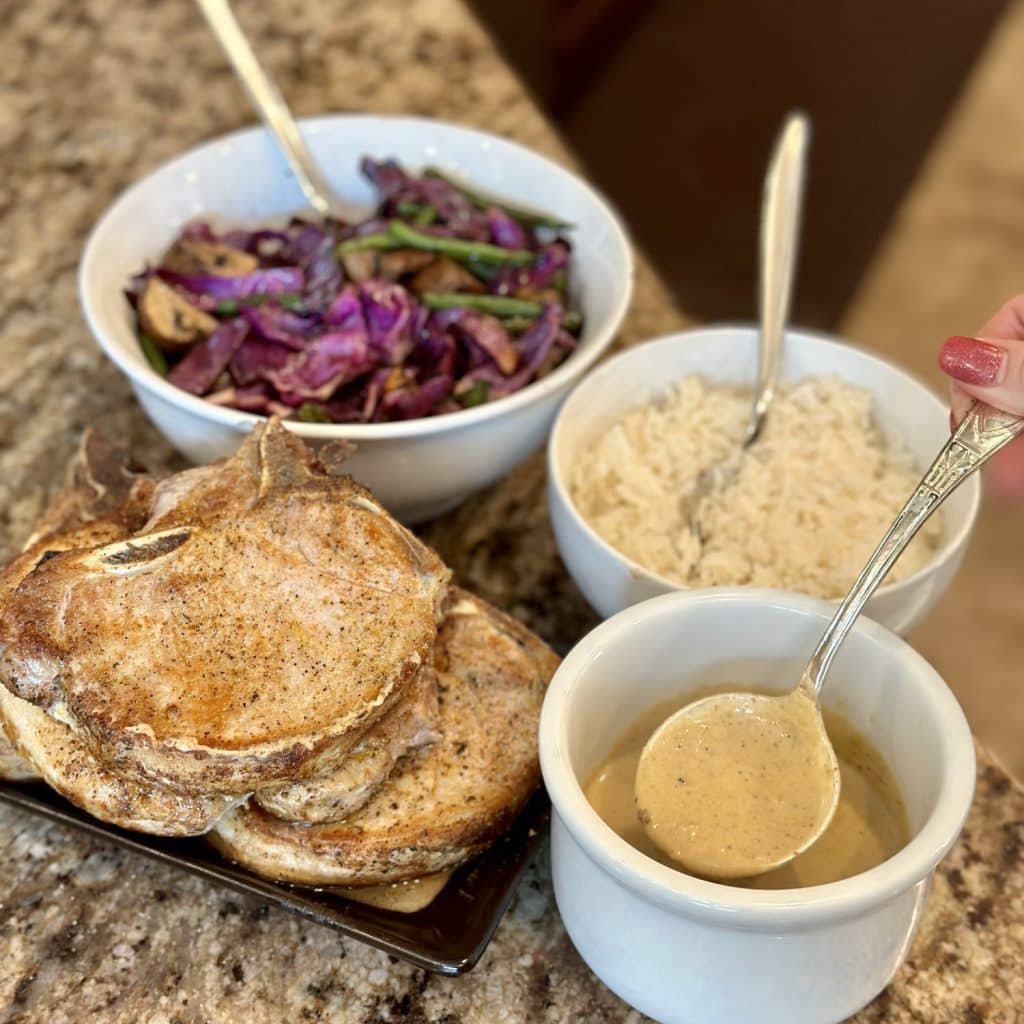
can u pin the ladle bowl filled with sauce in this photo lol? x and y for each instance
(811, 941)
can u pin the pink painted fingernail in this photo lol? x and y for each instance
(971, 361)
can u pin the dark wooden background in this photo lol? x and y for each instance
(673, 104)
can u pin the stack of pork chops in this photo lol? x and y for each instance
(255, 650)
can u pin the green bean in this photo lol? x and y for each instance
(517, 324)
(230, 307)
(531, 218)
(499, 305)
(479, 268)
(420, 214)
(153, 353)
(516, 314)
(457, 247)
(425, 217)
(475, 395)
(378, 240)
(310, 412)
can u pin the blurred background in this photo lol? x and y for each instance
(670, 104)
(914, 224)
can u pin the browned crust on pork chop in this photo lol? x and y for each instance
(444, 806)
(103, 500)
(70, 768)
(406, 729)
(265, 616)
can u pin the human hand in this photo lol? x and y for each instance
(991, 367)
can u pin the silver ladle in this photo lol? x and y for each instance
(672, 753)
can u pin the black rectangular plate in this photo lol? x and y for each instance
(447, 937)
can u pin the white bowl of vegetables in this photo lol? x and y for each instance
(439, 334)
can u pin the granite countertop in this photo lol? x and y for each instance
(92, 95)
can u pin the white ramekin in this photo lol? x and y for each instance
(417, 468)
(903, 406)
(686, 950)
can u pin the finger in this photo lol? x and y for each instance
(960, 402)
(987, 369)
(1008, 321)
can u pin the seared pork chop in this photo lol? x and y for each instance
(438, 809)
(268, 613)
(103, 500)
(409, 727)
(70, 768)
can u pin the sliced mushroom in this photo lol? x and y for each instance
(445, 275)
(360, 265)
(170, 320)
(399, 262)
(540, 295)
(192, 257)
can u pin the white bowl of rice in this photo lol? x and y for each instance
(848, 439)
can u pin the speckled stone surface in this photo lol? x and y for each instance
(92, 95)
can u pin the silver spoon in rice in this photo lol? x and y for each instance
(270, 104)
(738, 784)
(780, 223)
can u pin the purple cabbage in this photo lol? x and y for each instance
(551, 259)
(485, 336)
(386, 176)
(313, 249)
(305, 241)
(453, 208)
(276, 324)
(255, 359)
(327, 363)
(506, 231)
(388, 309)
(435, 348)
(375, 387)
(253, 398)
(409, 403)
(369, 351)
(345, 310)
(268, 281)
(204, 363)
(534, 346)
(199, 231)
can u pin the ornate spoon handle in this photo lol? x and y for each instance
(981, 434)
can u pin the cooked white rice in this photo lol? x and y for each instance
(813, 497)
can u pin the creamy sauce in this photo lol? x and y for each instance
(400, 897)
(738, 784)
(869, 826)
